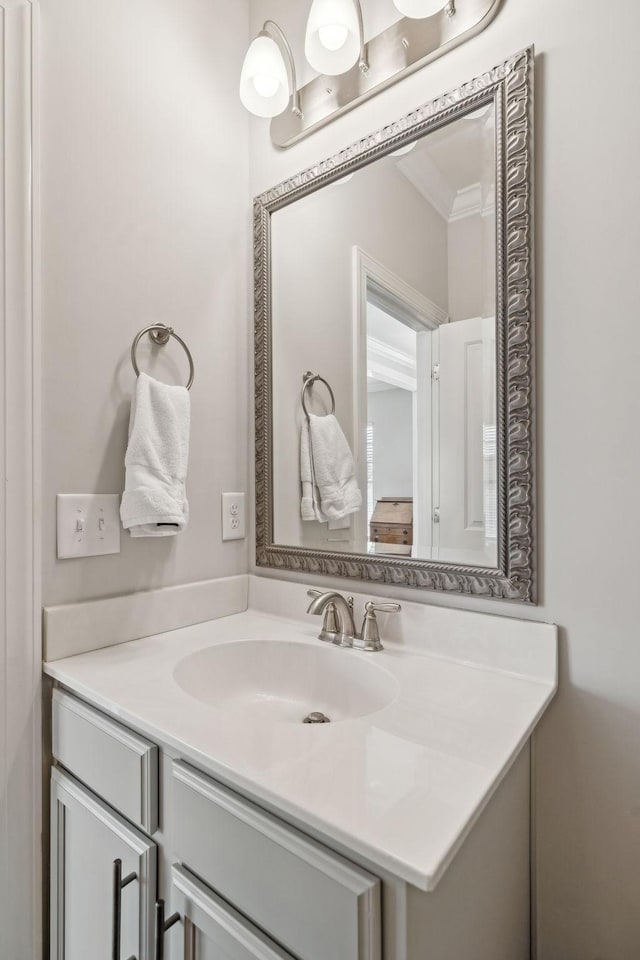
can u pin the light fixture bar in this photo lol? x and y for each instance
(363, 63)
(399, 50)
(271, 29)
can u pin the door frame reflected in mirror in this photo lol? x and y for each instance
(509, 87)
(377, 284)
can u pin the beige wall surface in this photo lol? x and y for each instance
(467, 269)
(588, 138)
(145, 217)
(391, 412)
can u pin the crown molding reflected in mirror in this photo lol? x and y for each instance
(399, 50)
(511, 572)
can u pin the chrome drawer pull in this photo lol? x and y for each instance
(118, 886)
(162, 926)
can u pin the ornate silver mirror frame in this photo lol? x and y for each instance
(510, 87)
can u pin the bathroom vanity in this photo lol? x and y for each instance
(194, 814)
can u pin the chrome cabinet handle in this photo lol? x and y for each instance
(162, 926)
(118, 886)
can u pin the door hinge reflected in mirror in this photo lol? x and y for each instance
(436, 515)
(435, 372)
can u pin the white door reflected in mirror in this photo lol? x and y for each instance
(385, 285)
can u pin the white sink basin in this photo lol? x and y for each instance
(280, 680)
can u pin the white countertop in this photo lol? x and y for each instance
(401, 787)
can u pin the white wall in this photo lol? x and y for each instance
(588, 140)
(20, 726)
(391, 412)
(145, 217)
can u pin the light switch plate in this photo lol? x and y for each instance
(88, 524)
(233, 516)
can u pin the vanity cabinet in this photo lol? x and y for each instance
(93, 849)
(312, 901)
(246, 884)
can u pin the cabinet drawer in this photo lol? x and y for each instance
(313, 902)
(391, 533)
(212, 928)
(117, 764)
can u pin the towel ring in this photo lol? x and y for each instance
(308, 380)
(160, 333)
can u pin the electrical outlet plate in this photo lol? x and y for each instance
(88, 524)
(233, 516)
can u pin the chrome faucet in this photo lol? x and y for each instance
(339, 627)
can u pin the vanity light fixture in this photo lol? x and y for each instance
(268, 78)
(419, 9)
(334, 40)
(350, 70)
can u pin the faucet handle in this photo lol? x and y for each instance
(374, 607)
(369, 638)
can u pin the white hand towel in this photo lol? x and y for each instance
(308, 507)
(327, 471)
(154, 503)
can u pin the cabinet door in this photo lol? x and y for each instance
(211, 929)
(87, 838)
(315, 903)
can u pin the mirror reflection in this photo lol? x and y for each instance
(384, 286)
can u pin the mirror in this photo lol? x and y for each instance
(393, 363)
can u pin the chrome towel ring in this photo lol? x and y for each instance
(160, 333)
(308, 379)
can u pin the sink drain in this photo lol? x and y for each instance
(316, 717)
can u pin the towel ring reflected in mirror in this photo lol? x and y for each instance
(308, 380)
(160, 333)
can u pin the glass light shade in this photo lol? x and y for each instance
(418, 9)
(264, 82)
(332, 42)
